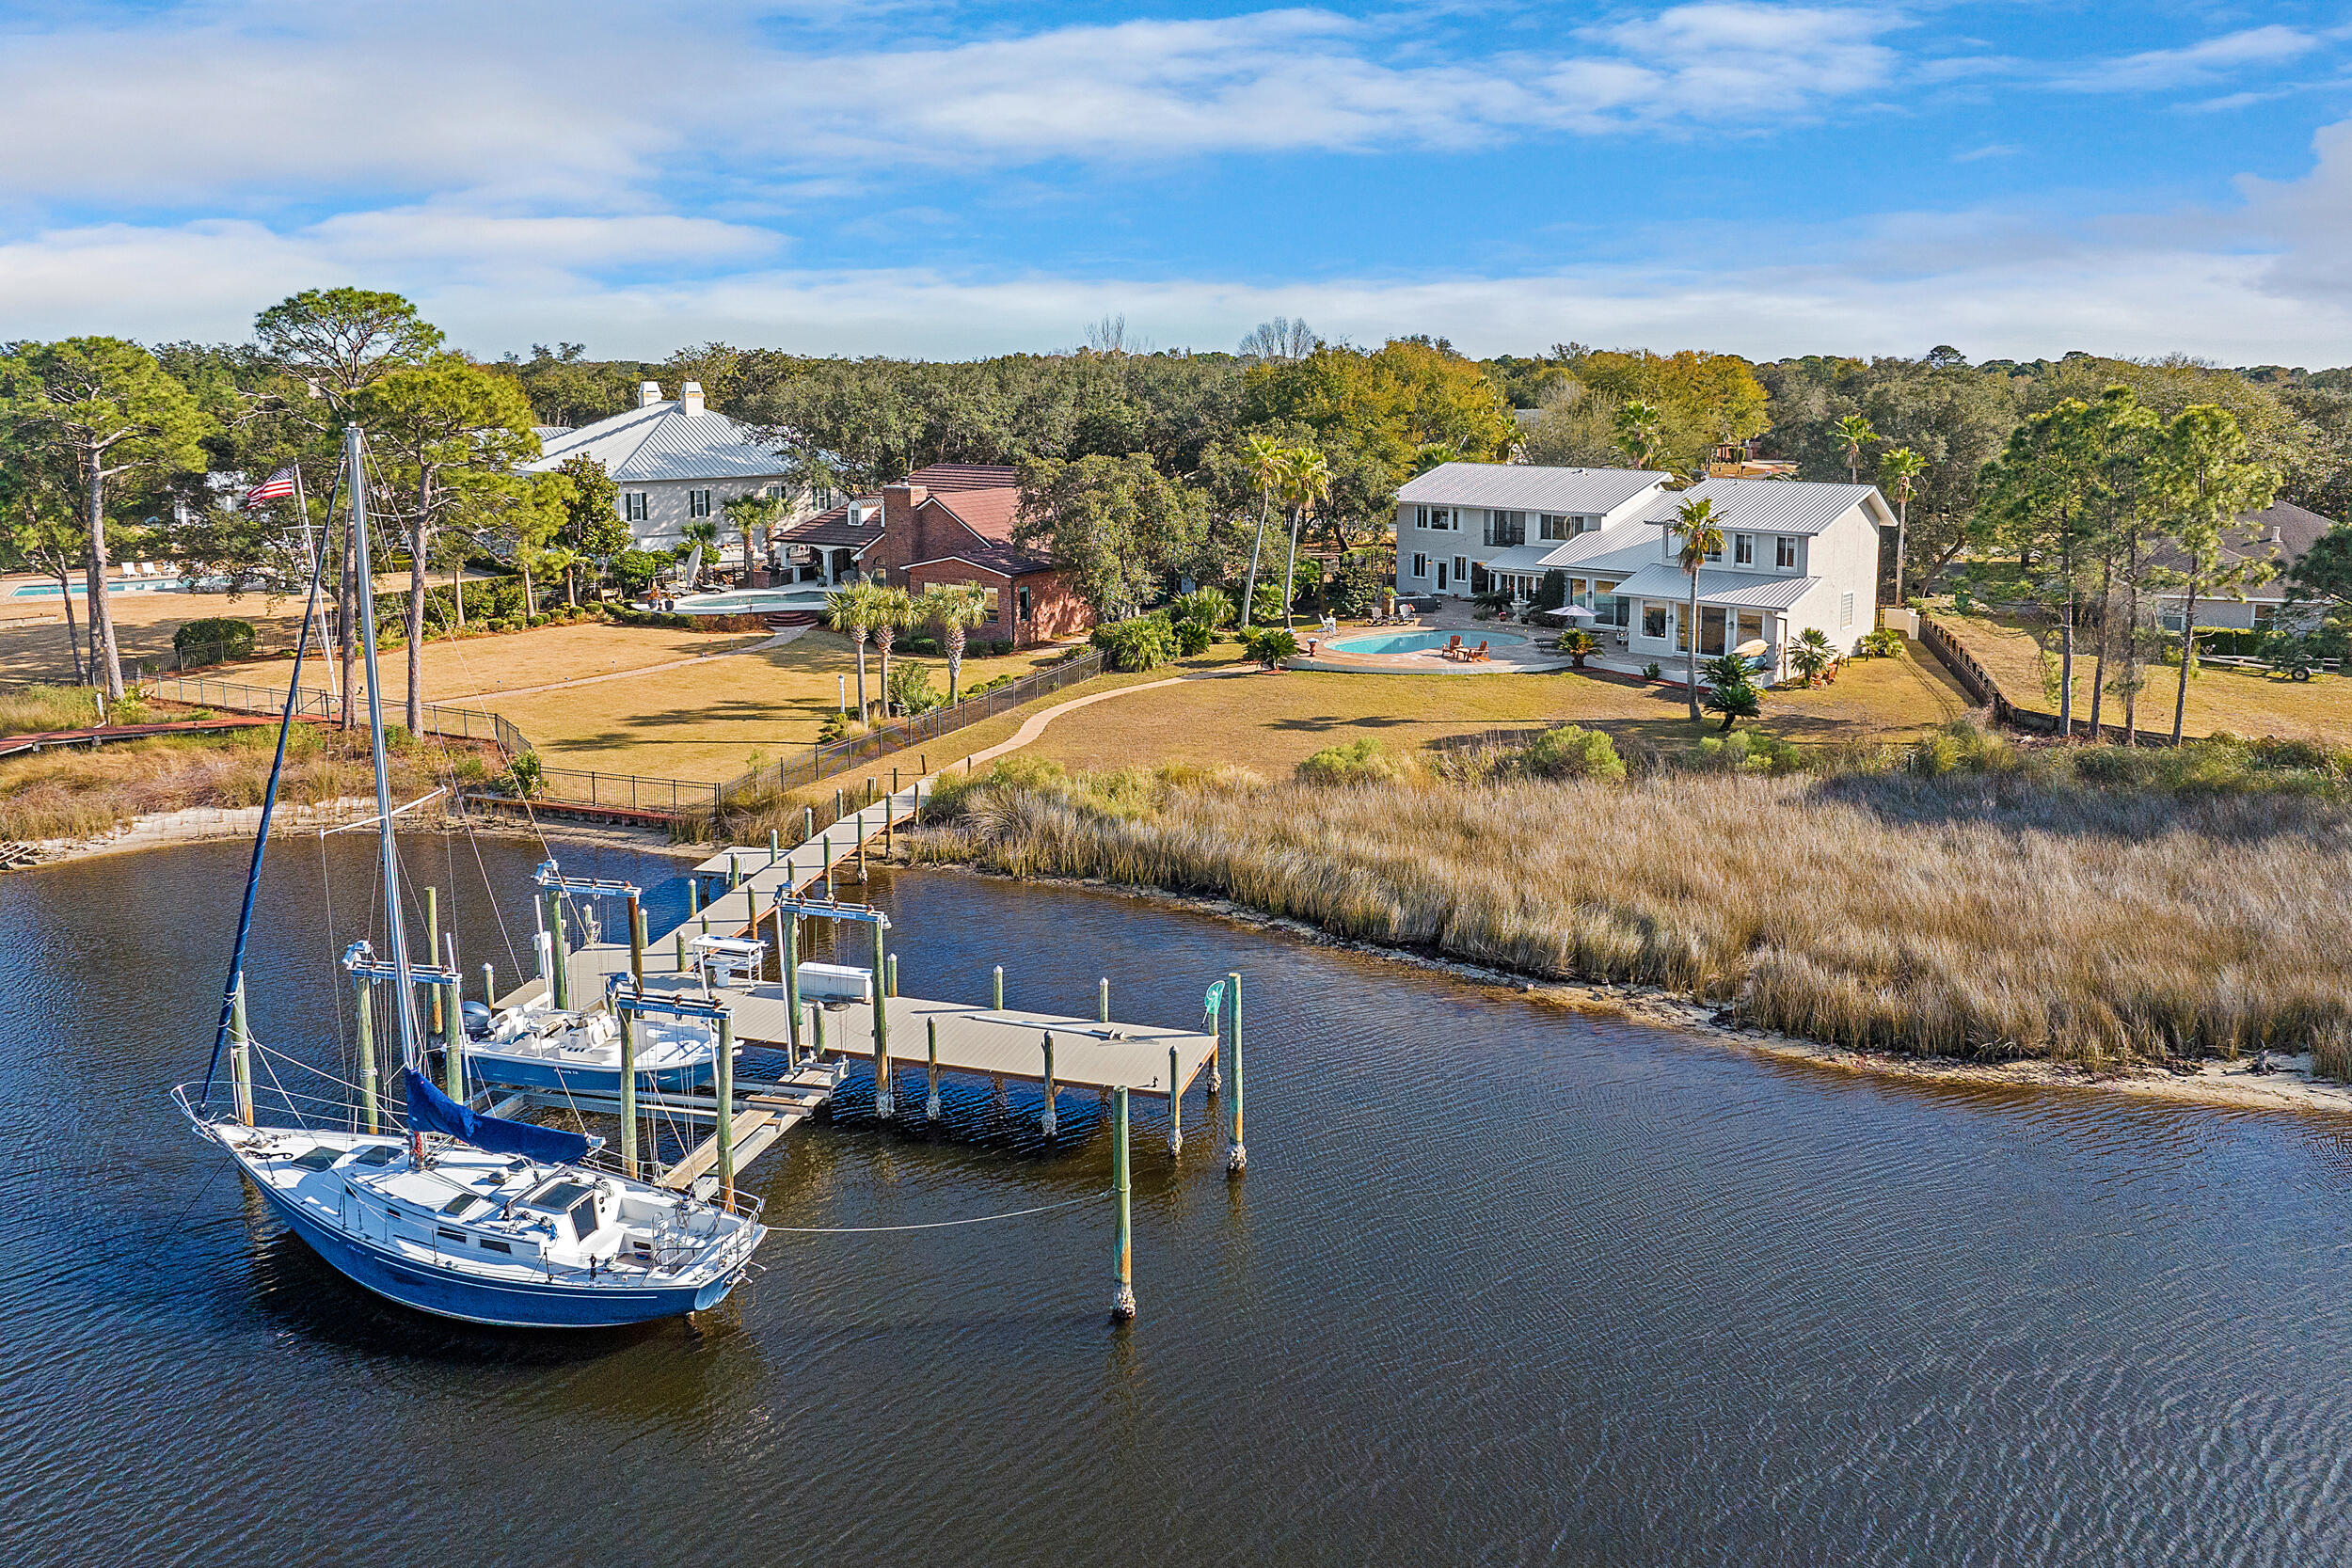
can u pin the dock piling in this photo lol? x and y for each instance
(808, 823)
(489, 985)
(998, 1002)
(681, 950)
(1103, 1006)
(453, 1042)
(735, 872)
(1048, 1124)
(1123, 1254)
(725, 1118)
(433, 1026)
(789, 947)
(931, 1105)
(775, 846)
(882, 1033)
(560, 951)
(636, 940)
(894, 974)
(693, 893)
(1237, 1156)
(628, 1093)
(1175, 1105)
(363, 1007)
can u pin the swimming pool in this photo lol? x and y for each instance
(49, 590)
(1421, 642)
(756, 601)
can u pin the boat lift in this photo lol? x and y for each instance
(554, 955)
(791, 908)
(365, 968)
(630, 1002)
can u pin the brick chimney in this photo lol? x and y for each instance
(690, 396)
(900, 546)
(648, 393)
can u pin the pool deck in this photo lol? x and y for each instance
(1522, 658)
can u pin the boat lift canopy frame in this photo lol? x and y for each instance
(360, 959)
(624, 998)
(790, 903)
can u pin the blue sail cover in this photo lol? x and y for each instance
(431, 1111)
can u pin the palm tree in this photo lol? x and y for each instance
(752, 516)
(850, 611)
(1900, 468)
(955, 609)
(893, 607)
(1702, 537)
(1306, 482)
(1262, 455)
(1857, 433)
(1637, 428)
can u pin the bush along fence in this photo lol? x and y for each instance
(1978, 682)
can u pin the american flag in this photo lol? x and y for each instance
(275, 488)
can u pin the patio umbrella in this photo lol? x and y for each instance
(1571, 612)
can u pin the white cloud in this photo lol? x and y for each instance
(2197, 63)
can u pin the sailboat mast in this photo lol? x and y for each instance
(403, 989)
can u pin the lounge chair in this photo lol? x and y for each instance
(1479, 657)
(1454, 649)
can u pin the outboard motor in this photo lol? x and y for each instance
(477, 1018)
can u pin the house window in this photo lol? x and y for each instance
(633, 506)
(1716, 554)
(1438, 520)
(2265, 616)
(1025, 608)
(1421, 568)
(1461, 568)
(1506, 528)
(1554, 525)
(1710, 629)
(1654, 620)
(698, 503)
(1785, 554)
(1751, 628)
(1845, 611)
(1743, 550)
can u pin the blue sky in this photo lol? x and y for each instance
(2014, 178)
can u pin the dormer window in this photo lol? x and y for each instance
(1785, 553)
(1743, 550)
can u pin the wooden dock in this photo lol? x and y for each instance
(967, 1040)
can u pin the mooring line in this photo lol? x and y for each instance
(935, 1225)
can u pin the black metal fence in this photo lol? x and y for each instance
(899, 734)
(450, 723)
(574, 786)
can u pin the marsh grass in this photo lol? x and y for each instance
(32, 709)
(1971, 900)
(78, 794)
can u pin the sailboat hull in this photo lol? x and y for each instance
(475, 1301)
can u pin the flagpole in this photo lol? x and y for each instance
(302, 504)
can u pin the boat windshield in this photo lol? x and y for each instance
(558, 1196)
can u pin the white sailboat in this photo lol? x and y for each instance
(461, 1214)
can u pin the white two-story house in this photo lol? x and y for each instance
(676, 462)
(1469, 527)
(1797, 556)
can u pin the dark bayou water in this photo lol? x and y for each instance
(1502, 1285)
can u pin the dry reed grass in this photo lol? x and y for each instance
(1983, 915)
(79, 794)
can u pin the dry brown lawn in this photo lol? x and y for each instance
(2245, 703)
(1271, 722)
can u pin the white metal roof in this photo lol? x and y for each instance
(662, 442)
(1522, 488)
(1741, 590)
(1775, 505)
(1624, 549)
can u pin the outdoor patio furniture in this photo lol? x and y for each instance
(1479, 657)
(1454, 649)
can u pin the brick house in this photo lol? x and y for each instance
(952, 523)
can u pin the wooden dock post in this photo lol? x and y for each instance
(789, 947)
(433, 1025)
(931, 1105)
(1048, 1124)
(894, 974)
(628, 1092)
(241, 1055)
(817, 1027)
(882, 1033)
(826, 850)
(725, 1130)
(636, 940)
(693, 893)
(1103, 1011)
(453, 1044)
(681, 950)
(735, 872)
(889, 811)
(808, 823)
(775, 846)
(363, 1004)
(1235, 1155)
(1123, 1255)
(1175, 1105)
(561, 951)
(489, 985)
(999, 994)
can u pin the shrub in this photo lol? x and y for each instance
(1579, 646)
(1145, 642)
(926, 645)
(1730, 690)
(999, 646)
(1193, 638)
(524, 775)
(214, 639)
(1885, 642)
(1572, 751)
(1750, 752)
(1269, 645)
(1552, 590)
(1812, 654)
(635, 570)
(1360, 763)
(1356, 586)
(911, 688)
(1650, 672)
(1265, 605)
(1206, 606)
